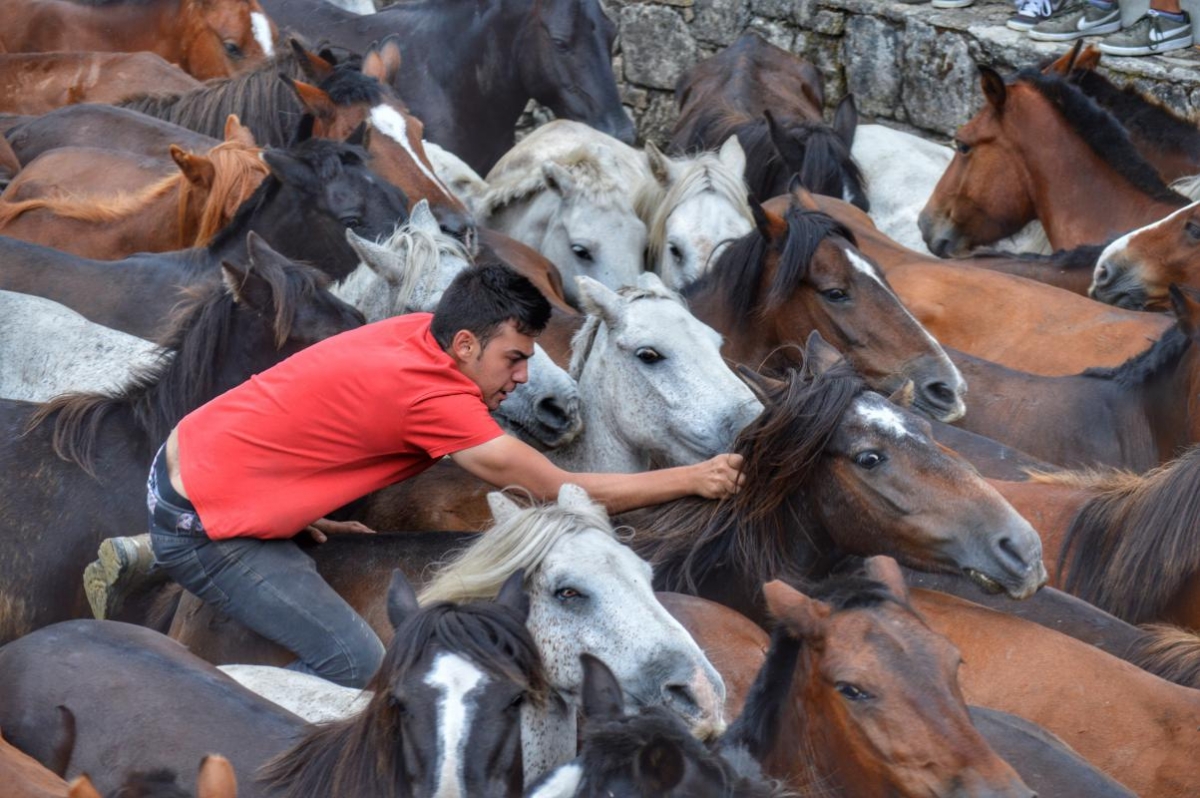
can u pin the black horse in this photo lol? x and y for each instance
(473, 66)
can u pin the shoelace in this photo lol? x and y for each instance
(1035, 8)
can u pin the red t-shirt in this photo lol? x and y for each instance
(344, 417)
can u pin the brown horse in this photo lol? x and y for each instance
(1005, 319)
(1070, 688)
(1137, 270)
(773, 102)
(799, 272)
(208, 38)
(184, 210)
(874, 701)
(34, 83)
(25, 777)
(1040, 149)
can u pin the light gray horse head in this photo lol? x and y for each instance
(544, 411)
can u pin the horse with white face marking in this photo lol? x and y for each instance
(692, 207)
(573, 206)
(408, 274)
(658, 390)
(48, 349)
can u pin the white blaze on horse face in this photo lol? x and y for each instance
(391, 123)
(562, 783)
(262, 32)
(1118, 247)
(698, 228)
(454, 677)
(883, 418)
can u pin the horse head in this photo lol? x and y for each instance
(1137, 269)
(222, 38)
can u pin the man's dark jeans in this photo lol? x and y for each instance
(270, 586)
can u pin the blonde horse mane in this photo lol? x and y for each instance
(654, 203)
(521, 540)
(594, 172)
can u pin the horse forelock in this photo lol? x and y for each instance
(1132, 546)
(594, 178)
(584, 339)
(238, 171)
(522, 541)
(1101, 131)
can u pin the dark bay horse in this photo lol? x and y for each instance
(773, 102)
(799, 272)
(208, 38)
(1136, 415)
(476, 65)
(314, 192)
(34, 83)
(1040, 149)
(74, 469)
(128, 687)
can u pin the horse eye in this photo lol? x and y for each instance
(567, 593)
(581, 252)
(868, 460)
(233, 50)
(517, 702)
(352, 221)
(851, 691)
(397, 705)
(648, 355)
(962, 147)
(1193, 231)
(562, 46)
(835, 295)
(675, 251)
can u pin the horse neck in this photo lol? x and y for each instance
(548, 736)
(1172, 404)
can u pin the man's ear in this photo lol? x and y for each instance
(465, 346)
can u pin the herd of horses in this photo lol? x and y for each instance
(965, 383)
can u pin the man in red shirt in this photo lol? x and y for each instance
(239, 477)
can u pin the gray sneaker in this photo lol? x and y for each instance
(1031, 12)
(122, 566)
(1076, 21)
(1150, 35)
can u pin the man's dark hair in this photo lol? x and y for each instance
(485, 296)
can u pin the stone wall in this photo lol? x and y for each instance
(909, 65)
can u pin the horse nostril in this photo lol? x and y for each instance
(552, 414)
(680, 699)
(1103, 276)
(942, 393)
(1011, 553)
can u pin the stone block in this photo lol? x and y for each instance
(830, 23)
(774, 32)
(772, 9)
(720, 21)
(658, 119)
(941, 83)
(656, 46)
(871, 54)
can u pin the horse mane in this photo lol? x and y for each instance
(585, 337)
(595, 174)
(521, 541)
(364, 754)
(738, 273)
(1168, 651)
(238, 171)
(654, 203)
(1102, 133)
(1144, 116)
(1133, 545)
(159, 395)
(1081, 258)
(1144, 366)
(764, 531)
(91, 207)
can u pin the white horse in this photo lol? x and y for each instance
(588, 593)
(408, 273)
(47, 349)
(902, 171)
(658, 391)
(692, 207)
(571, 203)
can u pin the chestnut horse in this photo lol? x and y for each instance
(184, 210)
(96, 448)
(1040, 149)
(1137, 270)
(772, 101)
(208, 38)
(476, 66)
(34, 83)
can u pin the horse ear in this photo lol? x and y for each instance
(659, 766)
(512, 594)
(763, 386)
(247, 287)
(800, 615)
(216, 778)
(1185, 304)
(236, 131)
(558, 179)
(993, 87)
(377, 257)
(732, 155)
(819, 356)
(845, 120)
(503, 508)
(600, 300)
(197, 169)
(383, 60)
(422, 218)
(573, 497)
(1088, 60)
(82, 787)
(602, 698)
(660, 166)
(904, 395)
(287, 169)
(649, 281)
(316, 101)
(792, 152)
(886, 570)
(1065, 62)
(401, 600)
(761, 220)
(314, 67)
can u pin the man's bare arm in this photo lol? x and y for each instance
(507, 461)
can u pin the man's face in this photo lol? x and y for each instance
(497, 368)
